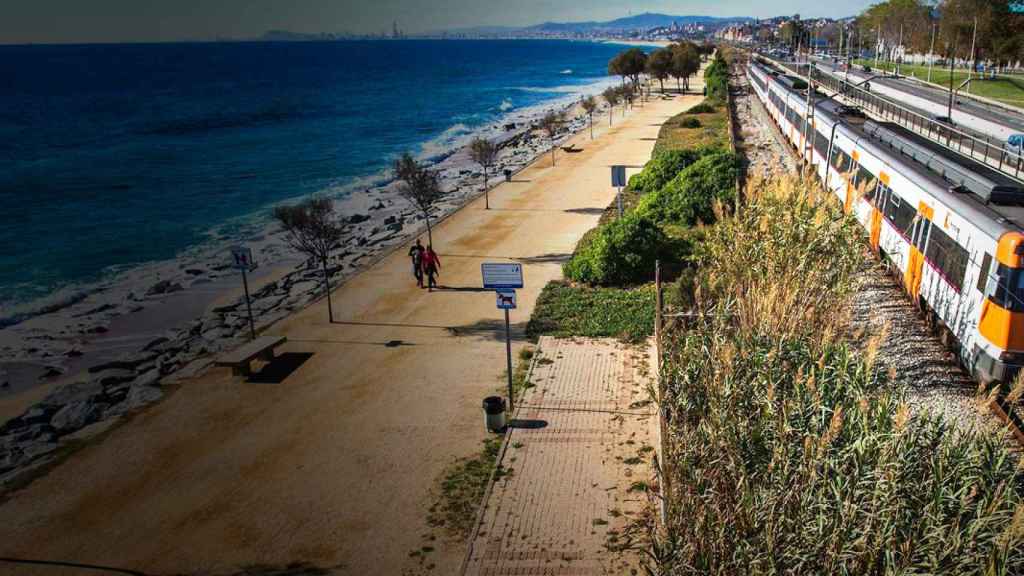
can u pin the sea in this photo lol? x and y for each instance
(114, 156)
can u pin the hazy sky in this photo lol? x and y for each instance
(24, 21)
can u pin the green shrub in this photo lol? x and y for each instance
(690, 196)
(621, 252)
(704, 107)
(662, 168)
(716, 79)
(689, 123)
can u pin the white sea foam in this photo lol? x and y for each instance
(505, 105)
(566, 71)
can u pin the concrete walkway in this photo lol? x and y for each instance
(582, 436)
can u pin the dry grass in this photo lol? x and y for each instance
(788, 451)
(713, 131)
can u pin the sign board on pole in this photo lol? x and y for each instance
(506, 299)
(499, 275)
(241, 257)
(619, 176)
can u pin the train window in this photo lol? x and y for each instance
(1009, 292)
(948, 256)
(921, 231)
(900, 213)
(986, 263)
(868, 181)
(883, 195)
(820, 144)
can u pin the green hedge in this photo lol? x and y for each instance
(622, 252)
(716, 78)
(663, 168)
(690, 196)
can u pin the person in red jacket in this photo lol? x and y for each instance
(431, 265)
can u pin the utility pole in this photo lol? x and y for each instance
(949, 112)
(899, 57)
(878, 43)
(974, 39)
(931, 54)
(808, 117)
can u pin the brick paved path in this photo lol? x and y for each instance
(566, 495)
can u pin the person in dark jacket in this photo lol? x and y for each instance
(416, 254)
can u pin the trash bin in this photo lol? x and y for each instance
(508, 175)
(494, 413)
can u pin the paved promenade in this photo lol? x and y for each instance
(584, 435)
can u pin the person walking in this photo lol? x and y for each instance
(431, 266)
(416, 254)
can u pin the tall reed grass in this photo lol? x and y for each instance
(789, 452)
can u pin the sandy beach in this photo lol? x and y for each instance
(334, 465)
(163, 321)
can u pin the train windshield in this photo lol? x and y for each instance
(1009, 291)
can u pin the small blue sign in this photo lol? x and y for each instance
(619, 176)
(506, 299)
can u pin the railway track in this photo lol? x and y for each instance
(881, 316)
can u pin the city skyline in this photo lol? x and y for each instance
(64, 21)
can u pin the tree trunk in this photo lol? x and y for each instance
(430, 233)
(327, 289)
(591, 125)
(678, 87)
(662, 82)
(552, 151)
(611, 110)
(487, 192)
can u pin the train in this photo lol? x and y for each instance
(950, 228)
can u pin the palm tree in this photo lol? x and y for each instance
(485, 153)
(549, 123)
(611, 96)
(589, 105)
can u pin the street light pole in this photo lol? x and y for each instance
(931, 54)
(974, 39)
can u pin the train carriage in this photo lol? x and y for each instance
(947, 226)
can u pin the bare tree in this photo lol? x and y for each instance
(485, 153)
(312, 228)
(420, 186)
(549, 123)
(589, 106)
(611, 96)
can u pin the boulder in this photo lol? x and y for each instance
(74, 416)
(74, 392)
(130, 362)
(358, 218)
(164, 287)
(114, 376)
(141, 396)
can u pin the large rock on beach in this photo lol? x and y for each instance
(73, 392)
(74, 416)
(164, 287)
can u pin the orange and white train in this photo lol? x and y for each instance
(952, 228)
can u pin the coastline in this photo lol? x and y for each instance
(344, 454)
(125, 339)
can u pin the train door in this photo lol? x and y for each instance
(876, 216)
(919, 238)
(851, 181)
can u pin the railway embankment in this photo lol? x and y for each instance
(803, 434)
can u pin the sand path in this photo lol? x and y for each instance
(335, 465)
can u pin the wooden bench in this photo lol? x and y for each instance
(240, 359)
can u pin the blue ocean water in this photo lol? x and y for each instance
(117, 155)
